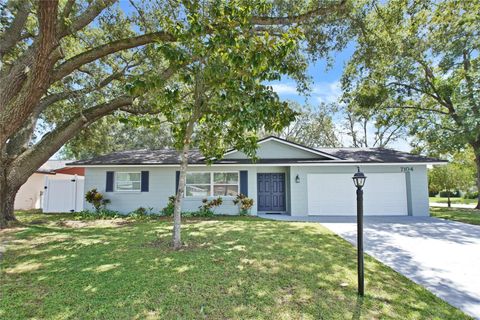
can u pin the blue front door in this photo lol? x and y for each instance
(271, 191)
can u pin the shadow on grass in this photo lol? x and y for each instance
(240, 268)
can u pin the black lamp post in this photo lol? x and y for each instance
(359, 181)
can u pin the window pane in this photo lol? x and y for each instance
(197, 191)
(198, 178)
(127, 185)
(225, 177)
(225, 190)
(128, 181)
(128, 176)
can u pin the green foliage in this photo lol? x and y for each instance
(416, 64)
(471, 195)
(208, 206)
(96, 199)
(244, 203)
(168, 210)
(100, 214)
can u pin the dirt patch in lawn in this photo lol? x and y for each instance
(108, 223)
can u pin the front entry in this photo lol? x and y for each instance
(271, 192)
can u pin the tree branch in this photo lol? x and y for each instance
(14, 33)
(321, 11)
(91, 55)
(35, 156)
(16, 106)
(85, 18)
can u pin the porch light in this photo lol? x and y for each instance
(358, 179)
(297, 179)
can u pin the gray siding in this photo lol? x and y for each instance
(162, 185)
(276, 150)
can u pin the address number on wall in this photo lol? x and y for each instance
(406, 169)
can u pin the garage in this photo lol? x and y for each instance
(334, 194)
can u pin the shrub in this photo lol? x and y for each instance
(96, 199)
(453, 194)
(208, 207)
(244, 204)
(141, 213)
(471, 195)
(98, 214)
(168, 210)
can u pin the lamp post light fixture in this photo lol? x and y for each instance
(359, 181)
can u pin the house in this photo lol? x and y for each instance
(30, 195)
(287, 178)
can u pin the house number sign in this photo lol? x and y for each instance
(406, 169)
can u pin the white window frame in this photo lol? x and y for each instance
(212, 183)
(116, 181)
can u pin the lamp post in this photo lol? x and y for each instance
(359, 181)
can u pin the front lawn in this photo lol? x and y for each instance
(471, 216)
(231, 268)
(453, 200)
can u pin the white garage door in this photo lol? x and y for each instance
(334, 194)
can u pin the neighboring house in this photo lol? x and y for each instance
(30, 195)
(287, 178)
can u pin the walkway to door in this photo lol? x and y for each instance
(441, 255)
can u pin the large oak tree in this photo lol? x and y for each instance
(64, 65)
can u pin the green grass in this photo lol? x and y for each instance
(470, 216)
(453, 200)
(231, 268)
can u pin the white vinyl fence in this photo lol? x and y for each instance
(64, 195)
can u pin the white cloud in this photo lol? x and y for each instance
(285, 88)
(327, 92)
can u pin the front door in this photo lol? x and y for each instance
(271, 191)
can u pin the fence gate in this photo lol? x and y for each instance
(65, 195)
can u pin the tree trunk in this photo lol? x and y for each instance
(477, 162)
(177, 212)
(7, 200)
(449, 202)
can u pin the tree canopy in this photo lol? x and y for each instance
(417, 64)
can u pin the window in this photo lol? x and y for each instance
(205, 184)
(128, 181)
(198, 184)
(225, 184)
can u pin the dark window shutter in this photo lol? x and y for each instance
(244, 182)
(177, 180)
(109, 185)
(145, 177)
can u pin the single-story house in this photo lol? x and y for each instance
(287, 178)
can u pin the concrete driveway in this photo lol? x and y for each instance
(441, 255)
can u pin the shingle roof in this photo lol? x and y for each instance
(172, 157)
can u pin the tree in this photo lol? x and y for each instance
(449, 177)
(312, 127)
(119, 133)
(370, 130)
(418, 62)
(221, 101)
(65, 65)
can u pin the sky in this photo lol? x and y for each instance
(325, 87)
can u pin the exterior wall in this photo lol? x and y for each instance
(30, 194)
(276, 150)
(418, 193)
(162, 185)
